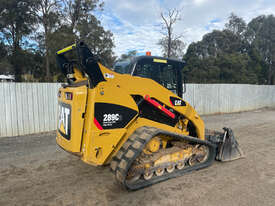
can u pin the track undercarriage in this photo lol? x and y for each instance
(152, 155)
(156, 161)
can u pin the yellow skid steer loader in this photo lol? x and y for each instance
(134, 118)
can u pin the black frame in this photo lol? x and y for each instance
(87, 62)
(179, 68)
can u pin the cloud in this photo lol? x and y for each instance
(214, 24)
(136, 24)
(135, 12)
(199, 2)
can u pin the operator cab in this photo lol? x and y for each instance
(167, 72)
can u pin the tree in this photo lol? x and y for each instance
(80, 21)
(261, 35)
(99, 41)
(59, 38)
(224, 56)
(16, 22)
(47, 14)
(129, 55)
(236, 25)
(172, 45)
(77, 10)
(176, 47)
(49, 25)
(5, 66)
(3, 50)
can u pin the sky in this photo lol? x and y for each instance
(136, 24)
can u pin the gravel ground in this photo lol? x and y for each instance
(35, 171)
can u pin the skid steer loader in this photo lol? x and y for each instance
(134, 118)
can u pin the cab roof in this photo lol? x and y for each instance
(137, 58)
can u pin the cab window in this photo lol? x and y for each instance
(123, 67)
(163, 73)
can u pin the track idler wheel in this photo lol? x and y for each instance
(200, 155)
(170, 168)
(192, 160)
(148, 175)
(159, 171)
(180, 165)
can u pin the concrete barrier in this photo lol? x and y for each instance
(27, 108)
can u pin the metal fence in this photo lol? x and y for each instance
(224, 98)
(27, 108)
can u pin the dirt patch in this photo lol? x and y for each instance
(34, 171)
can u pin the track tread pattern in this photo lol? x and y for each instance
(133, 147)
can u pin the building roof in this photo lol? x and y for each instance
(10, 77)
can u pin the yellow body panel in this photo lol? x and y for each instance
(104, 140)
(78, 75)
(78, 106)
(97, 150)
(144, 86)
(96, 146)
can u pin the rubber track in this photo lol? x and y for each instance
(133, 147)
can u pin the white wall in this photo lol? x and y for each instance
(222, 98)
(27, 108)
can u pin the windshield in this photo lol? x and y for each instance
(123, 67)
(163, 73)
